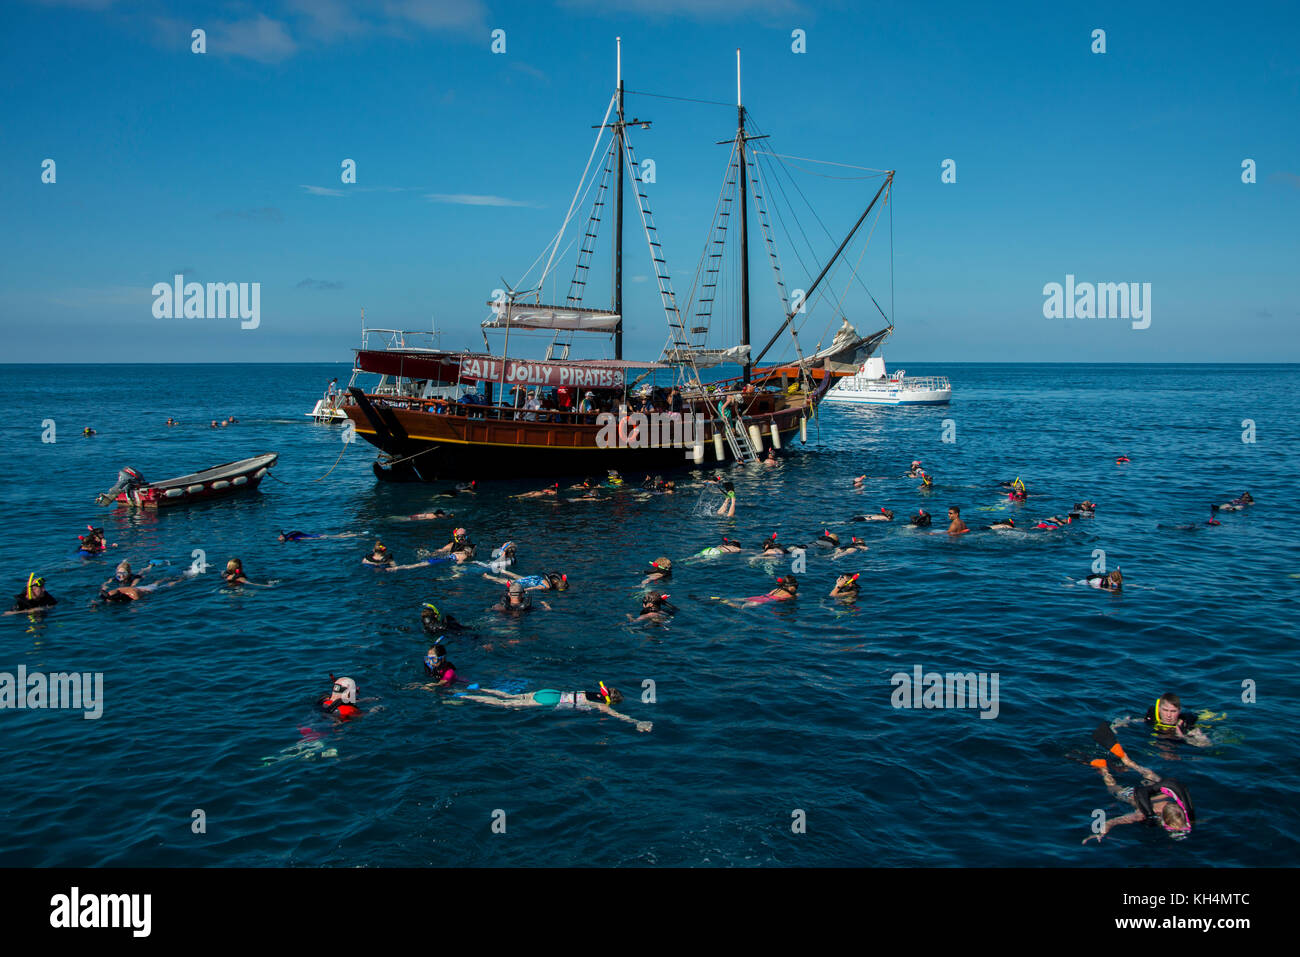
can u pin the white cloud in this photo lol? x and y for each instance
(472, 199)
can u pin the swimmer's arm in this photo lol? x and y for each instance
(640, 725)
(1113, 822)
(398, 568)
(544, 605)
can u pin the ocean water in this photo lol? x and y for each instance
(775, 740)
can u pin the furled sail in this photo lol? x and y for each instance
(847, 350)
(707, 358)
(537, 316)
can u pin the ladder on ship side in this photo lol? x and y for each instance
(738, 440)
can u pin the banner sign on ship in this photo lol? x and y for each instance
(518, 371)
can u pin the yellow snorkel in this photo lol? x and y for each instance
(605, 692)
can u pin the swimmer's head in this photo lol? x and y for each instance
(662, 564)
(281, 537)
(430, 615)
(1169, 707)
(788, 584)
(234, 566)
(380, 550)
(847, 583)
(459, 535)
(557, 581)
(610, 696)
(35, 586)
(123, 571)
(887, 513)
(1174, 821)
(1115, 578)
(345, 690)
(829, 536)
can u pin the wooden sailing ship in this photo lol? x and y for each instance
(445, 414)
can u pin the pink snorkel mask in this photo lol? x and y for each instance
(1177, 833)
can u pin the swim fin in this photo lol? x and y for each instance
(1106, 738)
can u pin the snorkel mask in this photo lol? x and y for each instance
(1177, 833)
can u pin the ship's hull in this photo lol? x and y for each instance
(426, 446)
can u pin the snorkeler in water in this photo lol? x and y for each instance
(93, 543)
(296, 536)
(551, 492)
(921, 519)
(927, 483)
(1110, 581)
(828, 539)
(125, 593)
(342, 699)
(728, 506)
(435, 622)
(436, 514)
(459, 550)
(380, 557)
(787, 588)
(437, 667)
(502, 558)
(517, 601)
(727, 547)
(601, 701)
(1236, 505)
(660, 570)
(550, 581)
(1084, 509)
(1053, 522)
(234, 573)
(915, 470)
(1157, 800)
(884, 515)
(654, 607)
(771, 547)
(1168, 720)
(33, 598)
(1003, 525)
(846, 587)
(123, 577)
(854, 546)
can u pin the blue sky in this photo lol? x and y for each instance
(1115, 167)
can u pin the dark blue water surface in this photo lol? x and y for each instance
(759, 713)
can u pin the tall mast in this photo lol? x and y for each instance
(744, 220)
(618, 212)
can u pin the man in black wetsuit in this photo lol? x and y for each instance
(33, 598)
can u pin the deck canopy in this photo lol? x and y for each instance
(411, 363)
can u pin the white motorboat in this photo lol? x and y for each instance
(872, 385)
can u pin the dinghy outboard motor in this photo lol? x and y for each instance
(127, 479)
